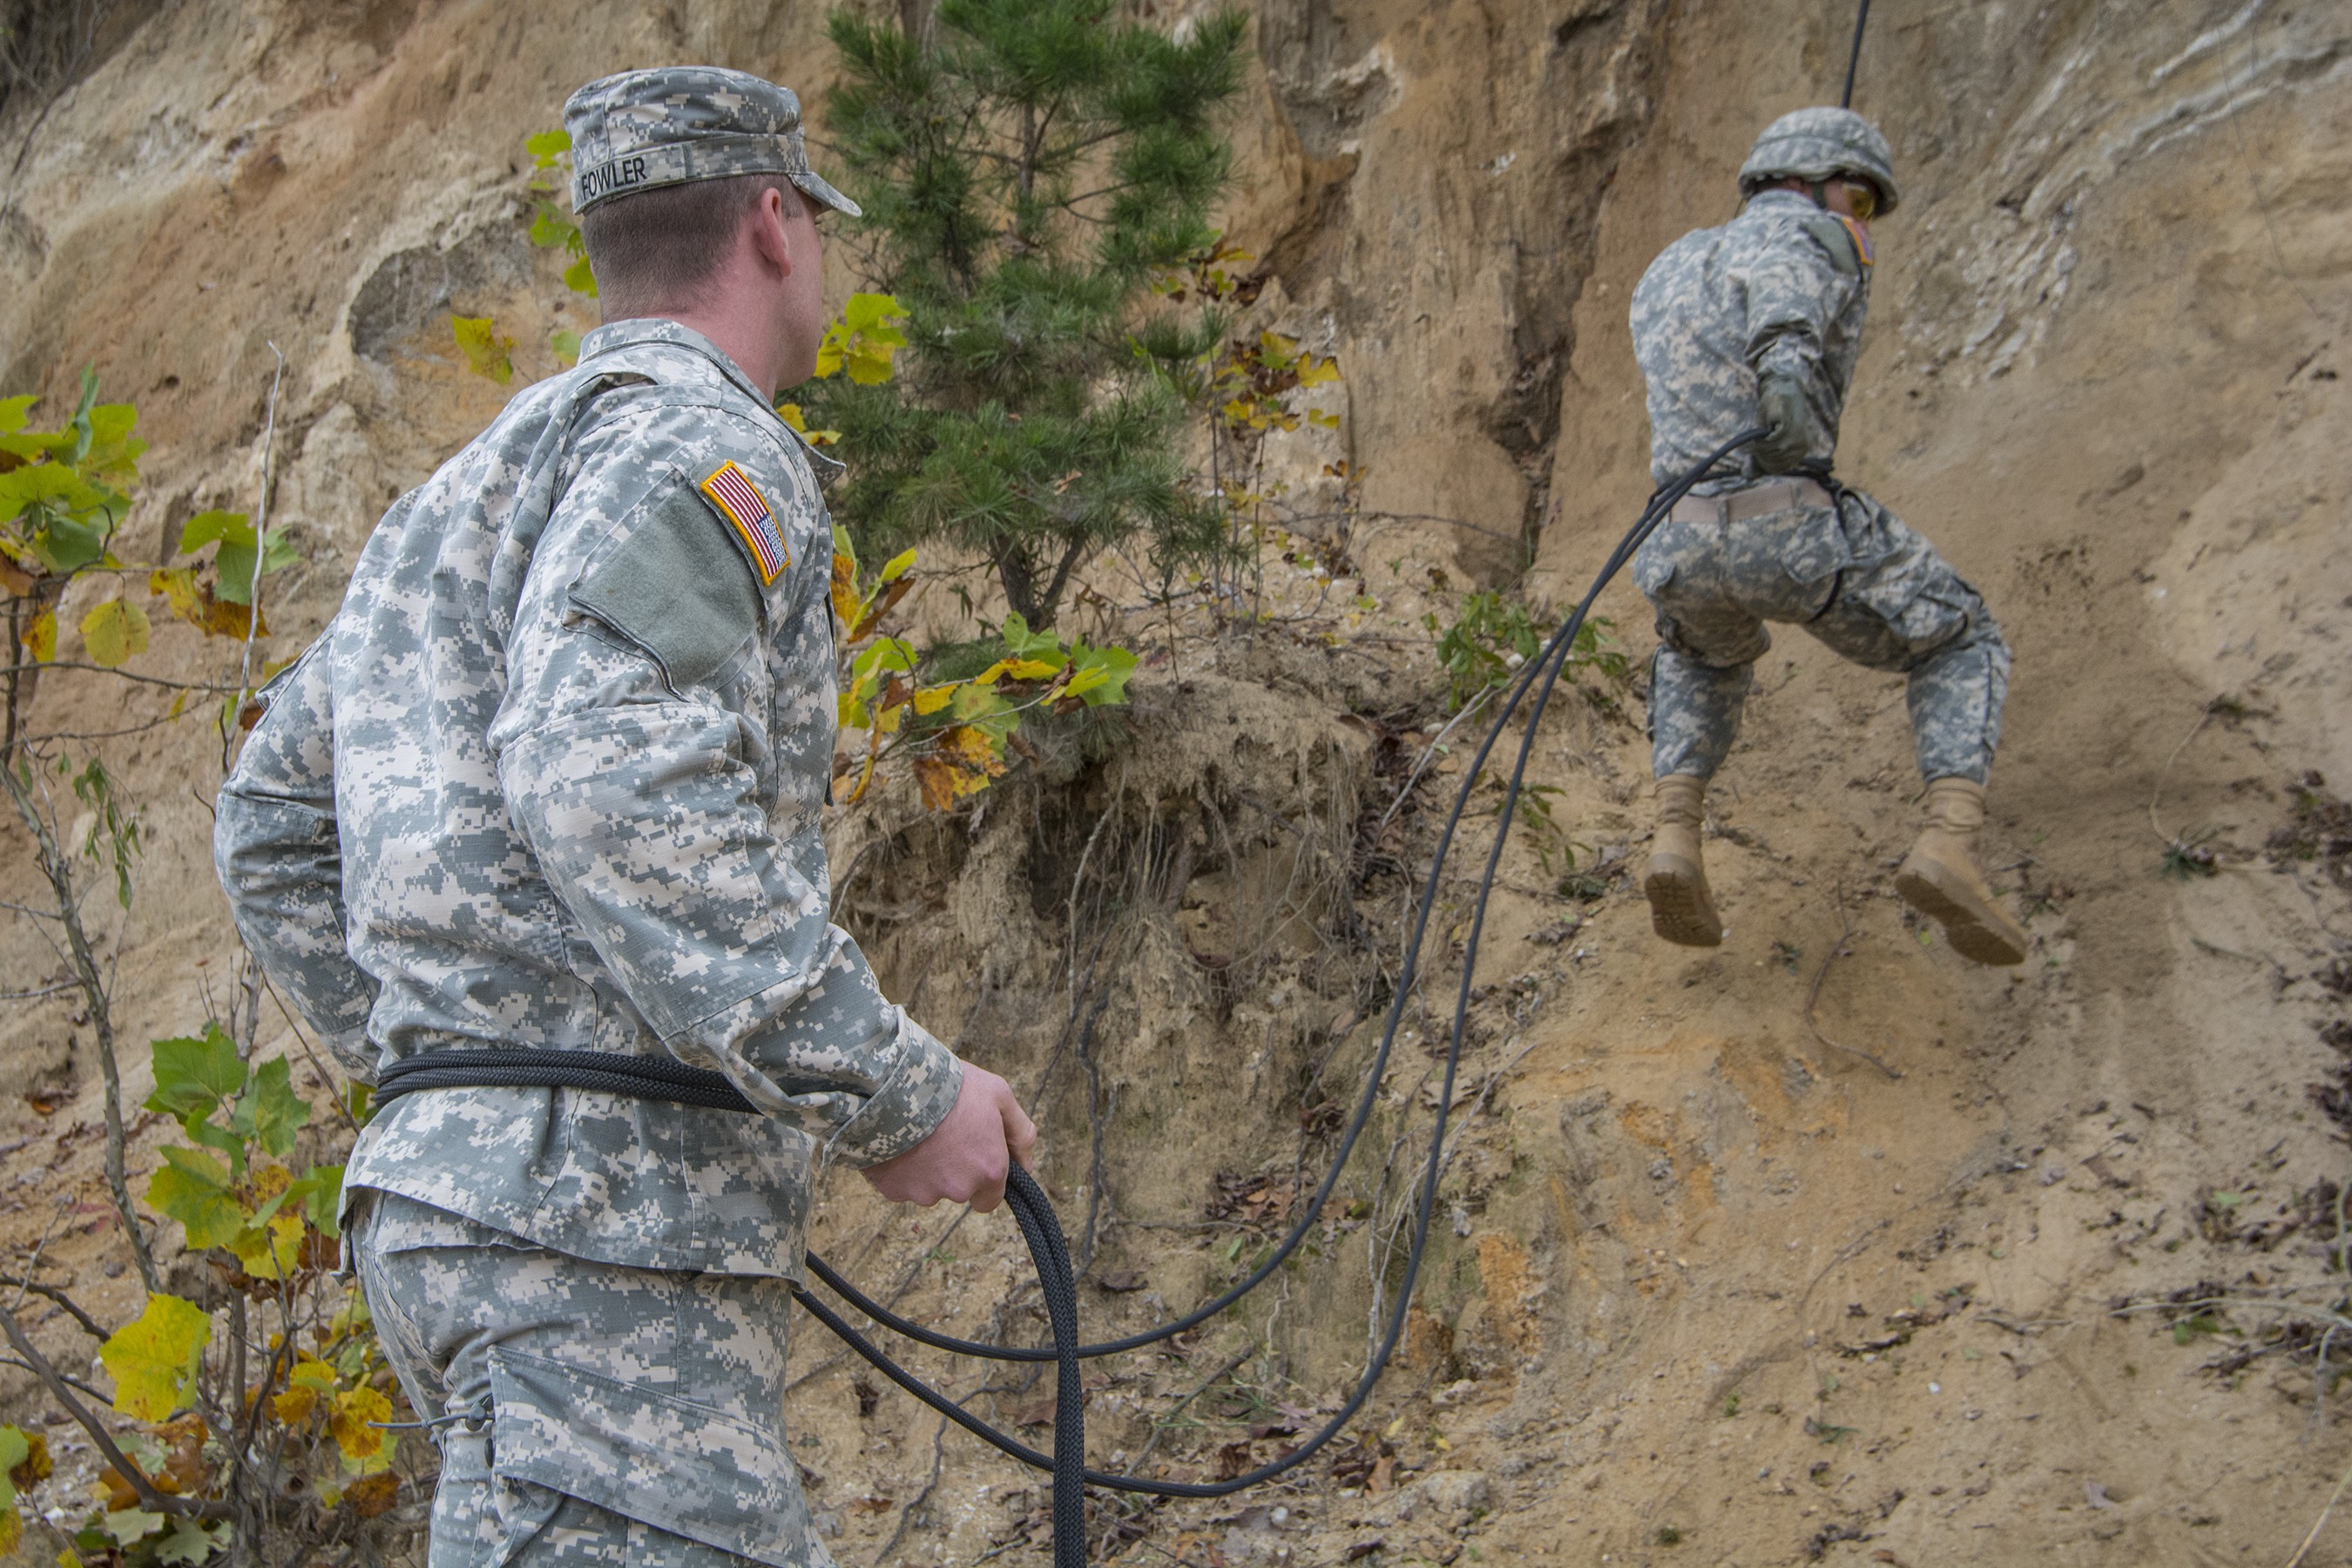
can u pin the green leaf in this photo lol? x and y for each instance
(14, 411)
(277, 1112)
(972, 700)
(549, 229)
(233, 562)
(190, 1542)
(581, 277)
(212, 1136)
(127, 1526)
(53, 487)
(193, 1074)
(215, 527)
(565, 344)
(79, 424)
(1022, 643)
(486, 351)
(14, 1449)
(195, 1190)
(113, 632)
(899, 565)
(866, 311)
(886, 654)
(321, 1193)
(546, 146)
(1100, 675)
(153, 1360)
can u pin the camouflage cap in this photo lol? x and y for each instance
(664, 126)
(1818, 143)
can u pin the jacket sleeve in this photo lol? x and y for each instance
(279, 859)
(1796, 286)
(636, 787)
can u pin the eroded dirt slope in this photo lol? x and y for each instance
(1709, 1283)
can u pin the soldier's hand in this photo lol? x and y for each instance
(1780, 403)
(967, 1155)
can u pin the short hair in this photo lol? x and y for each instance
(658, 248)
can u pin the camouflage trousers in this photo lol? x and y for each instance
(613, 1415)
(1856, 577)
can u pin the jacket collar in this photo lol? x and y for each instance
(662, 330)
(639, 330)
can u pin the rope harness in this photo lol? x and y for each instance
(653, 1078)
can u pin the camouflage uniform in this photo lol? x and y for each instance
(1783, 288)
(553, 778)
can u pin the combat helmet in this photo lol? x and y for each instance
(1818, 144)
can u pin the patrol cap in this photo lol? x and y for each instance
(644, 129)
(1820, 144)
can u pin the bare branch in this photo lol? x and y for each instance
(89, 1325)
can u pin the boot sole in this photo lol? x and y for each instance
(1680, 909)
(1976, 933)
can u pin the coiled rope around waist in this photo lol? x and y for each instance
(656, 1078)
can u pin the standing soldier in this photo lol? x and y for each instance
(1757, 324)
(550, 783)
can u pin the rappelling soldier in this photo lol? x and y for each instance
(550, 782)
(1757, 324)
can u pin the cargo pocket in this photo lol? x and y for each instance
(1653, 564)
(668, 1462)
(1815, 557)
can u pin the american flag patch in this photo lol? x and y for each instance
(732, 494)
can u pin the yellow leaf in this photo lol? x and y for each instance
(354, 1409)
(178, 583)
(792, 415)
(153, 1360)
(41, 636)
(931, 699)
(857, 792)
(937, 781)
(294, 1405)
(114, 631)
(1313, 371)
(974, 748)
(847, 604)
(1317, 416)
(273, 1251)
(486, 351)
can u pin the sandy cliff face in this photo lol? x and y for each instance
(2103, 373)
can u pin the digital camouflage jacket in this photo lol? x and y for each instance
(553, 778)
(1784, 286)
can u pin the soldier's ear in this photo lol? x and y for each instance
(770, 216)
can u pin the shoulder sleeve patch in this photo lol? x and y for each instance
(656, 587)
(740, 503)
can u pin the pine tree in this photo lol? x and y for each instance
(1029, 169)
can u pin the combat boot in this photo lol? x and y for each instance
(1681, 910)
(1939, 876)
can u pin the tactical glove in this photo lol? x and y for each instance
(1780, 403)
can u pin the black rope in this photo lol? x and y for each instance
(660, 1079)
(1853, 60)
